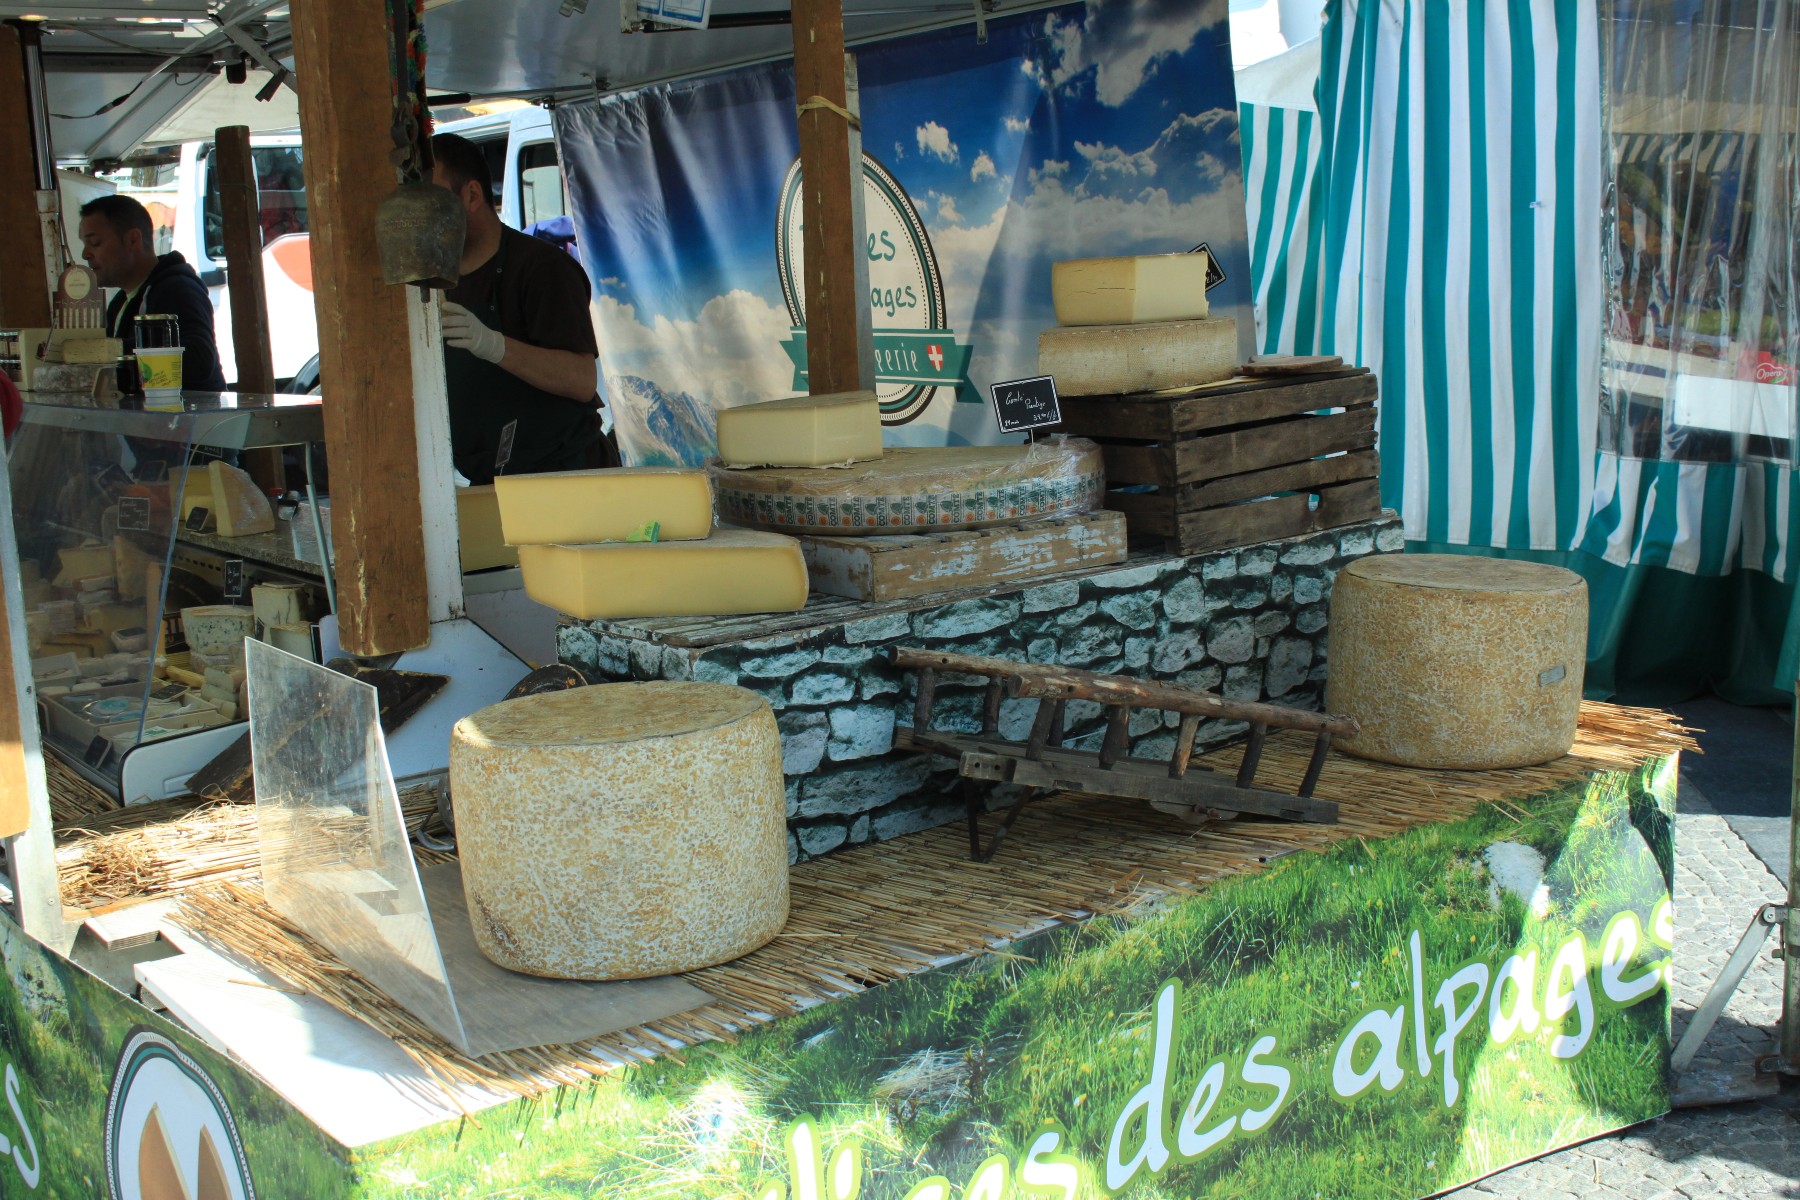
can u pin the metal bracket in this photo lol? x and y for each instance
(1707, 1015)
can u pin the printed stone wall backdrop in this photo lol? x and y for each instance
(1247, 623)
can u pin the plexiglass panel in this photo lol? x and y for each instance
(336, 861)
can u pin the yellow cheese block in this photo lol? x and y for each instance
(92, 350)
(82, 562)
(621, 831)
(1130, 291)
(478, 530)
(802, 431)
(238, 505)
(1104, 360)
(1452, 660)
(194, 486)
(919, 489)
(609, 505)
(733, 572)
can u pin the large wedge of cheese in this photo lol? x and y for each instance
(802, 431)
(239, 507)
(623, 830)
(1130, 291)
(218, 629)
(1103, 360)
(478, 530)
(609, 505)
(913, 490)
(734, 571)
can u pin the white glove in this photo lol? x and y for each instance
(464, 330)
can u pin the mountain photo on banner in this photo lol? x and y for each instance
(1095, 129)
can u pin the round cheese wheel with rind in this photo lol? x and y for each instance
(623, 830)
(1460, 661)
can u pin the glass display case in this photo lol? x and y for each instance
(141, 542)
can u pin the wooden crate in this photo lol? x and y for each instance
(896, 566)
(1242, 461)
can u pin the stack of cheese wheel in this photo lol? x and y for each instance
(1135, 325)
(639, 542)
(623, 830)
(1450, 660)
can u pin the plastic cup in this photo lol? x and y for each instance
(160, 369)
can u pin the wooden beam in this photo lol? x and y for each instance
(829, 193)
(241, 213)
(24, 286)
(341, 46)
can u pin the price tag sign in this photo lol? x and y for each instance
(134, 513)
(1215, 274)
(504, 455)
(234, 579)
(1022, 404)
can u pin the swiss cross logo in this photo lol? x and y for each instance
(936, 354)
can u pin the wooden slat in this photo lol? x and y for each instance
(1281, 517)
(893, 568)
(1162, 416)
(341, 54)
(24, 282)
(1154, 513)
(1213, 456)
(829, 237)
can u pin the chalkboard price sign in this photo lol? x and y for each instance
(1022, 404)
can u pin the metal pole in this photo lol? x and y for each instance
(31, 41)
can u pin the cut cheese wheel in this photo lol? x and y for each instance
(1130, 291)
(621, 831)
(802, 431)
(1102, 360)
(218, 629)
(609, 505)
(478, 530)
(733, 572)
(915, 489)
(238, 505)
(1451, 660)
(277, 604)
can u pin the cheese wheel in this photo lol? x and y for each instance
(914, 490)
(607, 505)
(1452, 660)
(1104, 360)
(802, 431)
(733, 572)
(1130, 291)
(623, 830)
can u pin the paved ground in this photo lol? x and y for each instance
(1733, 1152)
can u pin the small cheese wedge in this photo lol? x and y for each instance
(578, 507)
(802, 431)
(1102, 360)
(733, 572)
(194, 486)
(239, 507)
(1130, 291)
(478, 530)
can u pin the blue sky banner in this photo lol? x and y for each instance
(1092, 129)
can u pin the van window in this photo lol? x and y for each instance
(280, 194)
(542, 194)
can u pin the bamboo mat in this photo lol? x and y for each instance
(874, 914)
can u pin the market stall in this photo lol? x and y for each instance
(739, 913)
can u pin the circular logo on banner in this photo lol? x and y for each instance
(169, 1135)
(915, 351)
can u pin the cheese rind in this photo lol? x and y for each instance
(238, 505)
(623, 830)
(608, 505)
(481, 543)
(916, 489)
(802, 431)
(1100, 360)
(735, 571)
(1130, 291)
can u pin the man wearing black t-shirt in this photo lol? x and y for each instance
(519, 345)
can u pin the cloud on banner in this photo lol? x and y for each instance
(1093, 129)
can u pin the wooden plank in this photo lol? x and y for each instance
(376, 517)
(1236, 451)
(893, 568)
(240, 211)
(1154, 513)
(24, 280)
(1280, 517)
(1164, 415)
(829, 190)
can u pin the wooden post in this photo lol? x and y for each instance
(341, 56)
(241, 213)
(830, 189)
(24, 294)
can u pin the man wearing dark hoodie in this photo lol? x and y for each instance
(118, 240)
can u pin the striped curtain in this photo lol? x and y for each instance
(1439, 220)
